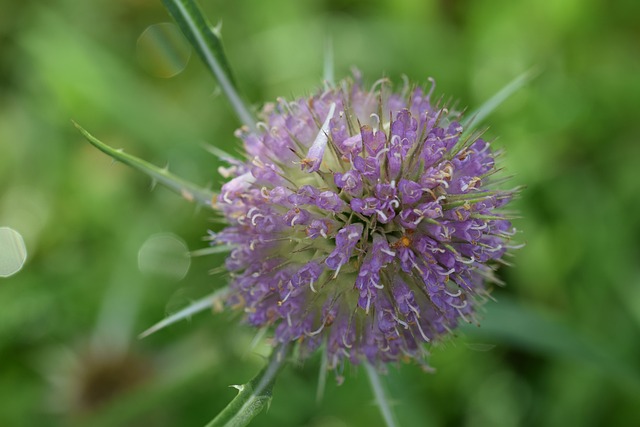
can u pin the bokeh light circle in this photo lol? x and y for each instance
(162, 50)
(13, 252)
(164, 255)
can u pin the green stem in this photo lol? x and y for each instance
(186, 189)
(206, 41)
(380, 395)
(254, 395)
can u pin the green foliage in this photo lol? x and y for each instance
(558, 348)
(253, 396)
(207, 41)
(184, 188)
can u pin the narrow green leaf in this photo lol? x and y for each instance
(380, 395)
(186, 189)
(473, 119)
(252, 396)
(196, 307)
(206, 41)
(522, 326)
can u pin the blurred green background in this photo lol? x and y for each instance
(560, 347)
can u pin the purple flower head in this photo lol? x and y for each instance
(365, 222)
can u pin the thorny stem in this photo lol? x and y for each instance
(206, 40)
(254, 395)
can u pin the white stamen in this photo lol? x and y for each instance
(515, 246)
(457, 294)
(382, 215)
(388, 252)
(463, 305)
(257, 162)
(375, 116)
(251, 211)
(344, 337)
(401, 322)
(415, 311)
(316, 332)
(384, 150)
(288, 295)
(426, 338)
(255, 217)
(372, 92)
(376, 285)
(262, 126)
(479, 227)
(463, 316)
(368, 303)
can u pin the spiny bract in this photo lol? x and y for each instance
(361, 220)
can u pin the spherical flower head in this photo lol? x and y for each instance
(364, 221)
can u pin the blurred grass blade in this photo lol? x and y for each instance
(190, 310)
(206, 41)
(220, 154)
(524, 327)
(212, 250)
(322, 376)
(189, 191)
(380, 395)
(252, 396)
(328, 71)
(472, 120)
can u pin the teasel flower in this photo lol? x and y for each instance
(364, 221)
